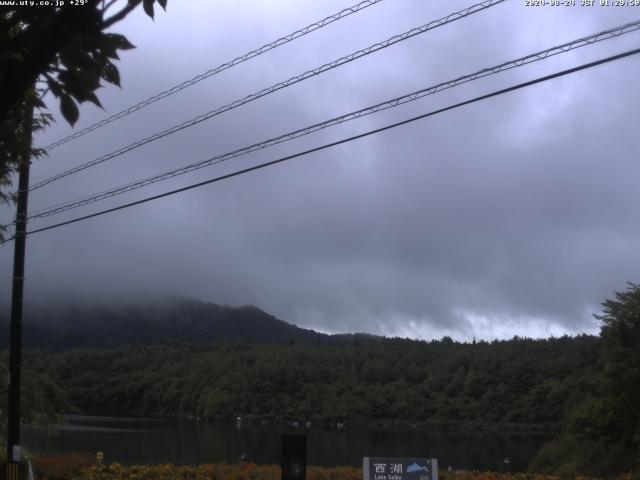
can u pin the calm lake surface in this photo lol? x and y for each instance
(132, 440)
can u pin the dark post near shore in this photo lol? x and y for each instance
(294, 457)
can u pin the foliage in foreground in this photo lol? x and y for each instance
(43, 400)
(80, 467)
(59, 49)
(602, 433)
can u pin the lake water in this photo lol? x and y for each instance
(131, 440)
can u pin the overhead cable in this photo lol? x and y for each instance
(342, 141)
(278, 86)
(392, 103)
(220, 68)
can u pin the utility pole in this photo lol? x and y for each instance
(15, 346)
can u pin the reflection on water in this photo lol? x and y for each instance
(138, 440)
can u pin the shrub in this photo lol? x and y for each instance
(63, 466)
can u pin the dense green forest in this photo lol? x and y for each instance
(518, 383)
(584, 388)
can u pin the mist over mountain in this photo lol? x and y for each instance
(59, 327)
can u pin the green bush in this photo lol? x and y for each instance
(554, 455)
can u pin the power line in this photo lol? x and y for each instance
(345, 140)
(220, 68)
(278, 86)
(541, 55)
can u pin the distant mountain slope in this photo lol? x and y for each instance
(169, 321)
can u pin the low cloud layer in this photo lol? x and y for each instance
(514, 216)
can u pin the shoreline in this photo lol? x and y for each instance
(382, 425)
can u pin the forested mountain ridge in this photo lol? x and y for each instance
(520, 383)
(587, 388)
(170, 321)
(185, 357)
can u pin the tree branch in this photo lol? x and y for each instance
(108, 6)
(121, 14)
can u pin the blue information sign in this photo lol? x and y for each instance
(390, 468)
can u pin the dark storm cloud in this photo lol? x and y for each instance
(514, 216)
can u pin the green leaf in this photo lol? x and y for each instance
(81, 83)
(108, 46)
(89, 79)
(73, 57)
(55, 87)
(148, 7)
(110, 74)
(69, 109)
(94, 99)
(121, 41)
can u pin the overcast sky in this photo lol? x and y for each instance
(515, 216)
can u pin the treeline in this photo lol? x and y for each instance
(586, 388)
(520, 383)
